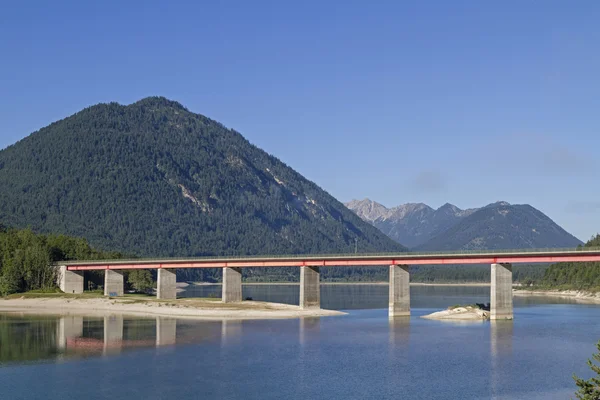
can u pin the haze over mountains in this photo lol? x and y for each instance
(496, 226)
(154, 179)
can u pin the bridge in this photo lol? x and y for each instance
(70, 275)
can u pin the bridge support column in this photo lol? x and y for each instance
(113, 283)
(310, 290)
(232, 285)
(166, 288)
(501, 301)
(399, 302)
(69, 281)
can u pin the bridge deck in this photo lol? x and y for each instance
(335, 260)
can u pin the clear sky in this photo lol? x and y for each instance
(467, 102)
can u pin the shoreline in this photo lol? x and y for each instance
(182, 308)
(579, 296)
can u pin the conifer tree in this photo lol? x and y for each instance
(590, 389)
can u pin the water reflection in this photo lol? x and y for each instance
(501, 338)
(34, 338)
(308, 327)
(399, 332)
(501, 335)
(231, 332)
(27, 340)
(166, 331)
(68, 327)
(113, 334)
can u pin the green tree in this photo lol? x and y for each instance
(590, 389)
(140, 280)
(26, 259)
(10, 280)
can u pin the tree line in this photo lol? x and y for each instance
(574, 275)
(26, 258)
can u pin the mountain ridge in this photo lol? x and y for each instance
(152, 178)
(451, 228)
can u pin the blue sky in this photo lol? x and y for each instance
(466, 102)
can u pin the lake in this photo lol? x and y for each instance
(362, 355)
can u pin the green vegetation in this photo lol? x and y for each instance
(154, 179)
(502, 226)
(573, 276)
(25, 259)
(140, 280)
(590, 389)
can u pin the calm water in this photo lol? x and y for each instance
(363, 355)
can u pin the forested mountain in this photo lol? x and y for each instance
(502, 226)
(496, 226)
(154, 179)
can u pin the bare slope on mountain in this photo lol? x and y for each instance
(411, 224)
(152, 178)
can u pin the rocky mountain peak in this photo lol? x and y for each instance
(367, 209)
(496, 225)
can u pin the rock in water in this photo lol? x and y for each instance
(460, 313)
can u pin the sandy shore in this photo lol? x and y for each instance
(576, 295)
(181, 308)
(460, 313)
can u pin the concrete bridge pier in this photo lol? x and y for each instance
(501, 301)
(399, 302)
(310, 289)
(166, 331)
(232, 285)
(113, 283)
(166, 285)
(69, 281)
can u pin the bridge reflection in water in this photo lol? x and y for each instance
(501, 349)
(112, 333)
(399, 333)
(74, 336)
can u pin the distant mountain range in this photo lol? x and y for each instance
(496, 226)
(154, 179)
